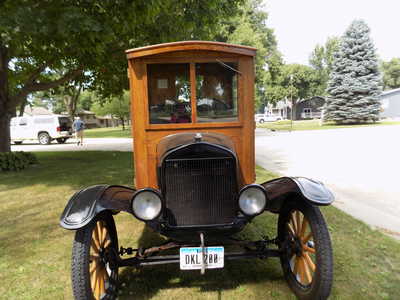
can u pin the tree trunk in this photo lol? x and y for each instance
(22, 107)
(5, 133)
(123, 123)
(5, 115)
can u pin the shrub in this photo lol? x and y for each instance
(16, 161)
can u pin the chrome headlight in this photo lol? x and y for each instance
(252, 199)
(146, 204)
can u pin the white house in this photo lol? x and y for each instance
(390, 104)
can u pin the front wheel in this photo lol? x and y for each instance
(262, 121)
(94, 271)
(306, 260)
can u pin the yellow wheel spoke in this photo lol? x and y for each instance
(301, 270)
(298, 221)
(293, 220)
(309, 261)
(296, 265)
(307, 272)
(107, 243)
(95, 246)
(94, 256)
(99, 228)
(103, 234)
(102, 289)
(95, 237)
(308, 249)
(93, 280)
(93, 266)
(303, 228)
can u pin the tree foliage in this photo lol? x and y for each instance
(354, 85)
(391, 73)
(118, 107)
(321, 59)
(249, 28)
(40, 38)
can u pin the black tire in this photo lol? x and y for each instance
(61, 140)
(306, 261)
(17, 142)
(44, 138)
(262, 121)
(83, 252)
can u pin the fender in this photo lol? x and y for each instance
(280, 189)
(86, 204)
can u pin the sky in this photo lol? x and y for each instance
(300, 25)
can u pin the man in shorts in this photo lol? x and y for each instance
(78, 126)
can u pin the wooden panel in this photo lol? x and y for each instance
(188, 46)
(147, 136)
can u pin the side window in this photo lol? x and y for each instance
(23, 122)
(43, 121)
(169, 93)
(216, 91)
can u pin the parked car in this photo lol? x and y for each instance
(261, 118)
(44, 128)
(195, 184)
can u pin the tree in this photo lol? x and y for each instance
(117, 107)
(44, 44)
(321, 59)
(354, 85)
(391, 73)
(298, 82)
(249, 28)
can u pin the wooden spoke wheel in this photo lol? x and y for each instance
(94, 273)
(307, 253)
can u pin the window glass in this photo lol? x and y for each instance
(169, 93)
(43, 120)
(216, 91)
(23, 121)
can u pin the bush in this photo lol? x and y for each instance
(16, 161)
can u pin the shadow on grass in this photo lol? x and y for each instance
(75, 169)
(146, 282)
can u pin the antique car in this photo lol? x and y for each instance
(194, 163)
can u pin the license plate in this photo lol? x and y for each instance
(191, 258)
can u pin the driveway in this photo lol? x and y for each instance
(102, 144)
(360, 165)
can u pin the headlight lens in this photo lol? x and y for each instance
(252, 200)
(146, 204)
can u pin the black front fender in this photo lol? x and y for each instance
(281, 189)
(89, 202)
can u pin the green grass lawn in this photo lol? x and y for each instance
(109, 132)
(35, 251)
(285, 125)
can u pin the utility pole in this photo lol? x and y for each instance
(291, 101)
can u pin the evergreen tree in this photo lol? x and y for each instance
(354, 86)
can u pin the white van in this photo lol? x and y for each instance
(44, 128)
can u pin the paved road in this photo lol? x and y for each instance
(360, 165)
(106, 144)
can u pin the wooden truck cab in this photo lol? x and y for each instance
(191, 86)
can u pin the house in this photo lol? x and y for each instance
(93, 121)
(390, 104)
(36, 111)
(309, 108)
(305, 109)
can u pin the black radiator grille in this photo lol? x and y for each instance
(200, 191)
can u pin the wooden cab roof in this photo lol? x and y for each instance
(189, 46)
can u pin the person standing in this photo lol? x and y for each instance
(78, 126)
